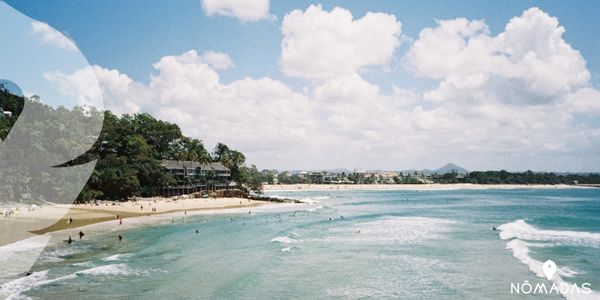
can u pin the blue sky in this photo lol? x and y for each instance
(29, 62)
(354, 91)
(131, 35)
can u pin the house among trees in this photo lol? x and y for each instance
(194, 173)
(5, 113)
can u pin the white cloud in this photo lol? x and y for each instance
(217, 60)
(49, 35)
(245, 10)
(321, 44)
(528, 63)
(189, 92)
(121, 94)
(517, 91)
(585, 101)
(495, 105)
(80, 88)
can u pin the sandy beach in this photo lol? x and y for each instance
(29, 230)
(27, 222)
(412, 187)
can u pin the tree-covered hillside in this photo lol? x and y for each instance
(129, 152)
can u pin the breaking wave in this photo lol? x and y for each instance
(523, 231)
(524, 236)
(14, 289)
(284, 240)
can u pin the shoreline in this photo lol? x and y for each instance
(24, 247)
(175, 216)
(48, 220)
(415, 187)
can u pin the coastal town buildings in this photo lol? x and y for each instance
(198, 174)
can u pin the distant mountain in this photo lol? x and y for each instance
(450, 167)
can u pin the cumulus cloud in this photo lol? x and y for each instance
(245, 10)
(49, 35)
(217, 60)
(528, 63)
(189, 92)
(495, 105)
(79, 88)
(121, 93)
(517, 91)
(321, 44)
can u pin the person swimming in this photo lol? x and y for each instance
(81, 234)
(120, 238)
(196, 230)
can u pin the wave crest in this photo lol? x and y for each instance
(523, 231)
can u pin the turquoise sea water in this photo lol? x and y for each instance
(378, 244)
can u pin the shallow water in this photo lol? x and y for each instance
(378, 244)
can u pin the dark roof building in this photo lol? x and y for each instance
(194, 170)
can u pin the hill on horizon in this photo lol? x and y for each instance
(450, 167)
(447, 168)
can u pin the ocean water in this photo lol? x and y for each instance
(343, 245)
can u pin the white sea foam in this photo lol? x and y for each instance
(17, 258)
(392, 230)
(314, 208)
(117, 257)
(15, 288)
(86, 264)
(57, 254)
(313, 200)
(288, 249)
(284, 240)
(523, 231)
(116, 269)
